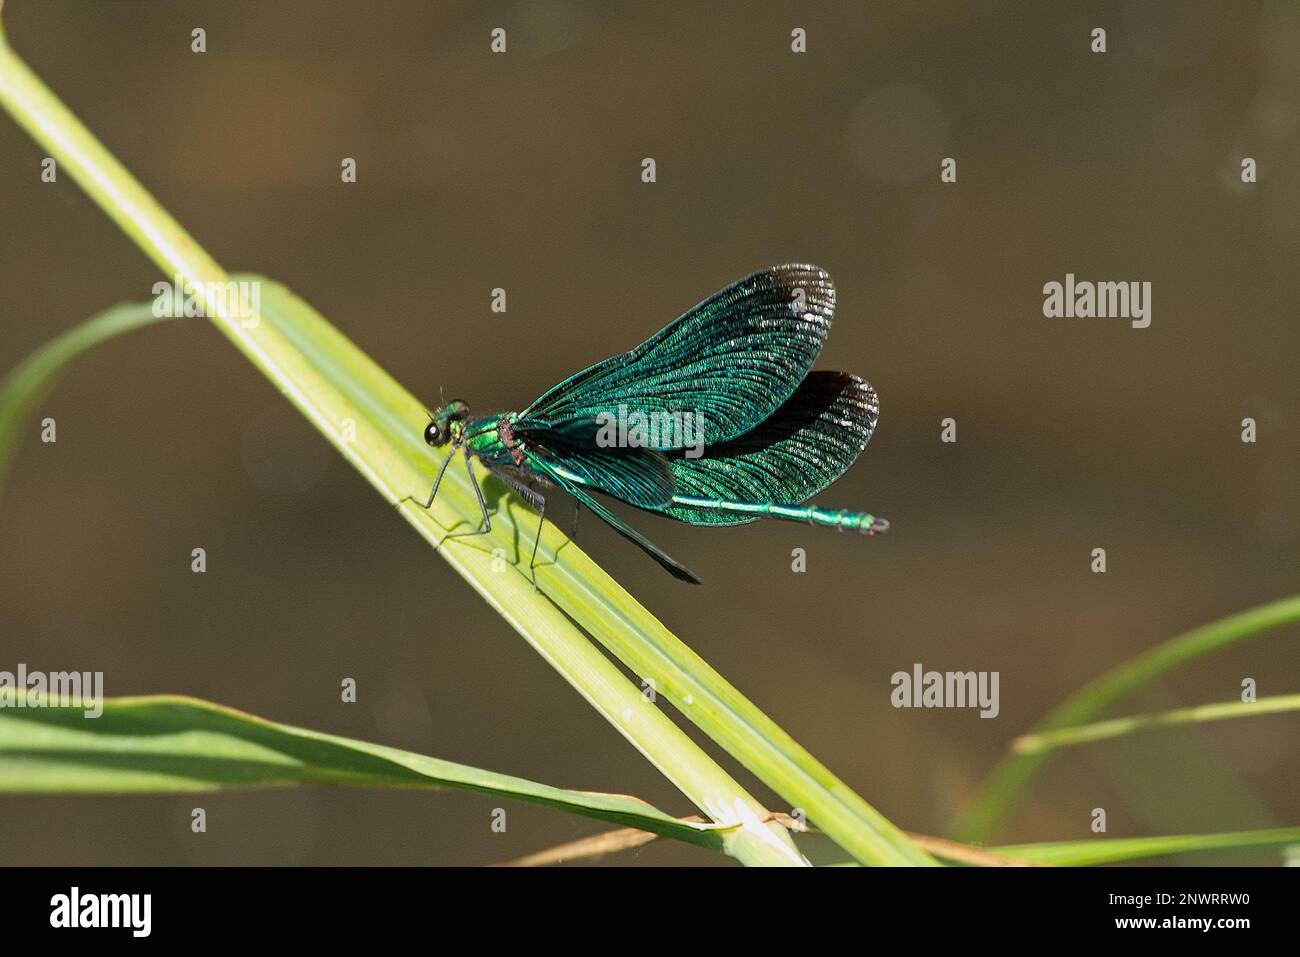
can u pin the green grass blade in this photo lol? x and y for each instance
(168, 743)
(645, 645)
(22, 390)
(1085, 853)
(1112, 850)
(309, 365)
(1012, 775)
(1117, 727)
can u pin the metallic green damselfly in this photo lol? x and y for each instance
(714, 420)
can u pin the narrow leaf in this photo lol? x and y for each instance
(1112, 850)
(1117, 727)
(1014, 773)
(170, 743)
(22, 390)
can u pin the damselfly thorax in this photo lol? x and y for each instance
(506, 433)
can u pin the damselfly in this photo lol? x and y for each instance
(714, 420)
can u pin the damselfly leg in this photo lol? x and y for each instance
(538, 502)
(473, 481)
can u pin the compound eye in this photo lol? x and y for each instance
(433, 434)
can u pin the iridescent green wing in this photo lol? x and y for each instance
(640, 477)
(729, 363)
(809, 442)
(562, 472)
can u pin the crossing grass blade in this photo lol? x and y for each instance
(169, 743)
(1085, 853)
(339, 389)
(1118, 727)
(22, 390)
(1115, 850)
(1005, 784)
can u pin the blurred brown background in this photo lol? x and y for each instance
(522, 171)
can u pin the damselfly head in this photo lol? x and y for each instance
(448, 424)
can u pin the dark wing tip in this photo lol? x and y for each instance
(843, 397)
(814, 280)
(809, 271)
(864, 403)
(864, 396)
